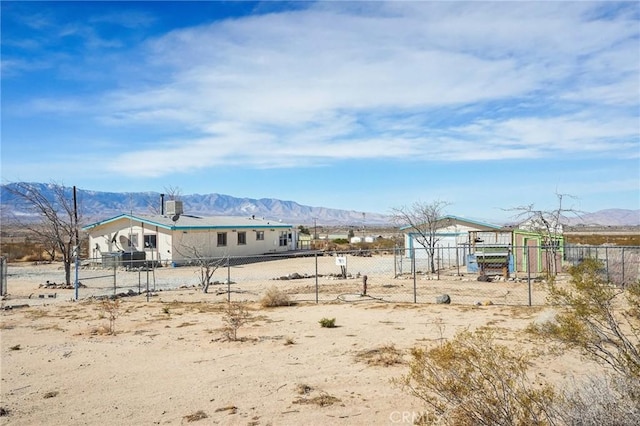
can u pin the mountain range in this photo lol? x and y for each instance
(96, 205)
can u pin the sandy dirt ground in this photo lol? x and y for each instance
(169, 363)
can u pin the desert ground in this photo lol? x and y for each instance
(169, 362)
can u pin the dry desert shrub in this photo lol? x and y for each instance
(327, 322)
(473, 380)
(384, 356)
(275, 297)
(601, 320)
(602, 401)
(111, 310)
(235, 316)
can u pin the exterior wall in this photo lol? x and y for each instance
(450, 237)
(206, 242)
(537, 253)
(101, 240)
(173, 246)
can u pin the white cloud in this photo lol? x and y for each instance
(416, 80)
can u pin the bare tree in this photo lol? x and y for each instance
(424, 220)
(57, 224)
(173, 192)
(208, 265)
(548, 224)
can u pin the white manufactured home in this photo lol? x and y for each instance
(174, 238)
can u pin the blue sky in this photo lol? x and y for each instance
(364, 106)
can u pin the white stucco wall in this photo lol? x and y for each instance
(206, 242)
(101, 240)
(178, 245)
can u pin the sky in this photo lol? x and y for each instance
(365, 106)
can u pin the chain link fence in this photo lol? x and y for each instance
(353, 276)
(621, 264)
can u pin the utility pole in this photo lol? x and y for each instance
(76, 284)
(315, 227)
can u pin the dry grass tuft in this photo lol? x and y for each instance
(36, 313)
(6, 326)
(198, 415)
(51, 394)
(101, 330)
(232, 409)
(275, 297)
(384, 356)
(303, 389)
(322, 400)
(50, 327)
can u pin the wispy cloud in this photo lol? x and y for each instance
(327, 82)
(285, 79)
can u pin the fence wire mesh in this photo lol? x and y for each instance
(352, 276)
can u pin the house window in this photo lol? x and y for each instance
(284, 240)
(150, 241)
(222, 239)
(133, 241)
(242, 238)
(259, 235)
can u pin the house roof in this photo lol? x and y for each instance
(461, 220)
(185, 222)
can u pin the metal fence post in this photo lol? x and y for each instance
(228, 280)
(115, 283)
(3, 275)
(606, 255)
(316, 258)
(623, 281)
(76, 283)
(395, 261)
(528, 273)
(413, 269)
